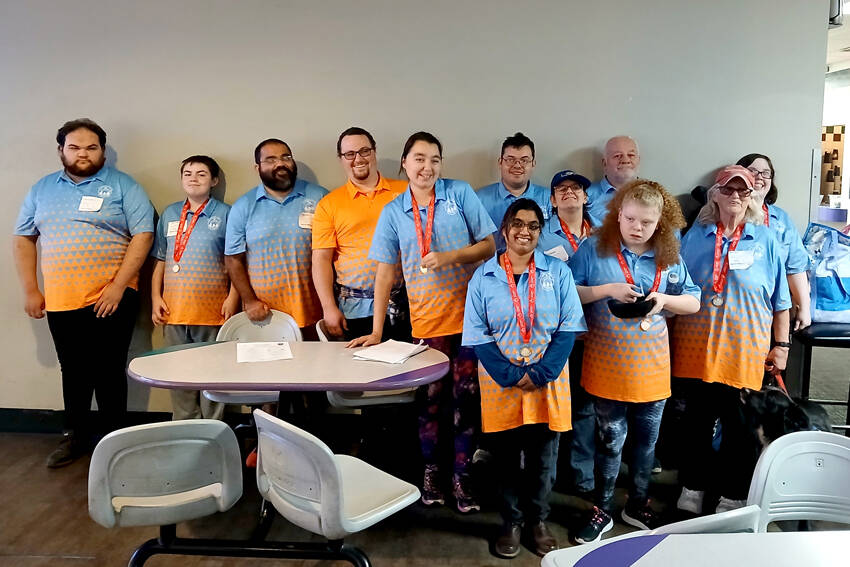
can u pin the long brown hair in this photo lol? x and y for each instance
(663, 242)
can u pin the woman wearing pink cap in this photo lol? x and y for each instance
(725, 347)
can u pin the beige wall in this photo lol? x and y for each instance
(697, 83)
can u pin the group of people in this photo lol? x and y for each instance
(516, 283)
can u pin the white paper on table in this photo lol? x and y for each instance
(262, 352)
(558, 252)
(393, 352)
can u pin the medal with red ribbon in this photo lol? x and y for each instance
(766, 214)
(423, 240)
(721, 266)
(524, 331)
(585, 232)
(645, 323)
(181, 238)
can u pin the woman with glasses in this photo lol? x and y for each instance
(626, 367)
(725, 347)
(569, 225)
(522, 314)
(793, 252)
(439, 230)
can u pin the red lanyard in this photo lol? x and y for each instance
(424, 243)
(524, 331)
(180, 240)
(585, 230)
(766, 214)
(628, 274)
(721, 267)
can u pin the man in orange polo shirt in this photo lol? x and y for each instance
(343, 226)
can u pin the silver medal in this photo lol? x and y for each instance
(645, 324)
(175, 268)
(717, 301)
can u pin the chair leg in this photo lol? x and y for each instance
(353, 555)
(267, 514)
(167, 535)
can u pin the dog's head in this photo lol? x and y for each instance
(770, 413)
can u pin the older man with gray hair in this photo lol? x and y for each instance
(620, 162)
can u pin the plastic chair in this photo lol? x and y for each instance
(741, 520)
(160, 474)
(803, 476)
(329, 495)
(279, 327)
(363, 399)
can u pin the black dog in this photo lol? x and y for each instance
(771, 413)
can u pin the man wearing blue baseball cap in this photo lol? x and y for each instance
(620, 161)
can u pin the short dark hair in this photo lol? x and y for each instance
(264, 143)
(73, 125)
(518, 140)
(206, 160)
(420, 137)
(517, 206)
(353, 131)
(773, 192)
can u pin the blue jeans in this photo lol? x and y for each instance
(613, 420)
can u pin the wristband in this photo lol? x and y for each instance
(782, 344)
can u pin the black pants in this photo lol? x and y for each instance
(728, 471)
(92, 355)
(399, 331)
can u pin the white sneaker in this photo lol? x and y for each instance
(727, 504)
(691, 500)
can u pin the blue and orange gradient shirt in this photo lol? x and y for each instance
(84, 229)
(194, 294)
(276, 239)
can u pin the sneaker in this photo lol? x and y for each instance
(641, 517)
(507, 544)
(656, 466)
(727, 504)
(432, 494)
(481, 456)
(466, 502)
(68, 451)
(599, 523)
(691, 500)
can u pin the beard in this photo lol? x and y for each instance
(280, 178)
(83, 170)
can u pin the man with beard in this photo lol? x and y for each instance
(342, 233)
(620, 165)
(96, 228)
(267, 245)
(516, 164)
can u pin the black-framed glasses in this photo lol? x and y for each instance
(512, 161)
(362, 152)
(764, 173)
(742, 193)
(532, 226)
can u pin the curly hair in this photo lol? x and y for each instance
(664, 241)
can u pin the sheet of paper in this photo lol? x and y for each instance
(393, 352)
(262, 352)
(558, 252)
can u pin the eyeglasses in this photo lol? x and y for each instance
(574, 189)
(742, 193)
(362, 152)
(272, 160)
(765, 173)
(512, 161)
(518, 225)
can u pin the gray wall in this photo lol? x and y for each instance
(697, 83)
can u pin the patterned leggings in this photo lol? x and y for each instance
(457, 392)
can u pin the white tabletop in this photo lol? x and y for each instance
(314, 366)
(771, 549)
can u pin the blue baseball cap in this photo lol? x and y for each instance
(562, 176)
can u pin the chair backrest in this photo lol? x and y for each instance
(164, 473)
(739, 520)
(277, 327)
(320, 331)
(298, 474)
(803, 476)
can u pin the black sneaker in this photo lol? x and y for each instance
(642, 517)
(656, 466)
(600, 522)
(69, 450)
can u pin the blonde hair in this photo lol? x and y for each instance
(710, 213)
(663, 241)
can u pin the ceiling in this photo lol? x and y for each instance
(838, 39)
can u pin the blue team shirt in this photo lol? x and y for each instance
(496, 200)
(794, 253)
(552, 236)
(599, 194)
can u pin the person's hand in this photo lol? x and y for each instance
(623, 292)
(777, 358)
(108, 301)
(256, 310)
(660, 302)
(525, 384)
(230, 307)
(335, 322)
(434, 260)
(160, 311)
(802, 319)
(366, 340)
(34, 304)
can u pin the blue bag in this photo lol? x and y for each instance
(829, 274)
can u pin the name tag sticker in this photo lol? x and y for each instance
(172, 228)
(740, 259)
(305, 220)
(90, 204)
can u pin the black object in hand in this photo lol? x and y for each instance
(635, 310)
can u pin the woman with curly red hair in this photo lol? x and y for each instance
(633, 256)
